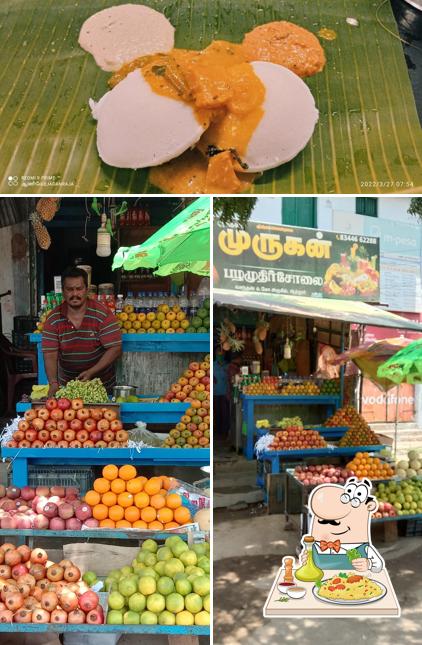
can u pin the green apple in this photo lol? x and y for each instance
(116, 600)
(202, 618)
(183, 586)
(193, 603)
(114, 617)
(131, 618)
(128, 586)
(137, 602)
(165, 585)
(172, 567)
(207, 603)
(164, 553)
(156, 603)
(150, 545)
(90, 578)
(175, 603)
(147, 585)
(189, 558)
(166, 618)
(148, 618)
(201, 585)
(185, 618)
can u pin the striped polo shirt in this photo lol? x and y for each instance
(80, 349)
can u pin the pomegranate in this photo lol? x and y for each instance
(83, 512)
(41, 503)
(55, 573)
(72, 574)
(40, 522)
(38, 556)
(12, 558)
(37, 570)
(65, 563)
(23, 616)
(49, 600)
(58, 616)
(6, 616)
(1, 557)
(27, 493)
(13, 492)
(76, 617)
(73, 524)
(43, 584)
(50, 510)
(31, 603)
(57, 524)
(5, 571)
(25, 552)
(24, 589)
(19, 570)
(66, 511)
(27, 579)
(68, 600)
(8, 523)
(95, 616)
(42, 491)
(14, 600)
(88, 601)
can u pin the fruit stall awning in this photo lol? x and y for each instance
(344, 310)
(183, 244)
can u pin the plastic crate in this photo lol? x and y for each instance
(413, 528)
(78, 476)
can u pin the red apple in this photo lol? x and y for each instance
(51, 403)
(31, 435)
(76, 425)
(63, 403)
(95, 435)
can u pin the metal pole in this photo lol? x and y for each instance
(397, 421)
(342, 367)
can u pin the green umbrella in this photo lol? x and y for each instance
(183, 244)
(405, 366)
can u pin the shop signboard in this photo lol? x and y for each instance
(296, 261)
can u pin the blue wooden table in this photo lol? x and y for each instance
(199, 343)
(248, 410)
(168, 630)
(147, 412)
(23, 457)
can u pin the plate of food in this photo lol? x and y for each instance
(189, 96)
(349, 589)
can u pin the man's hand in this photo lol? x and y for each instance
(361, 564)
(85, 376)
(53, 389)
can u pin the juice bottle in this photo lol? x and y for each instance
(309, 572)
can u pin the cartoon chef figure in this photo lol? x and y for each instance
(340, 525)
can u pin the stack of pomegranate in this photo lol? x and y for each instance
(194, 384)
(56, 508)
(65, 423)
(34, 589)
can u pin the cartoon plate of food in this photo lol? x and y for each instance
(346, 589)
(354, 275)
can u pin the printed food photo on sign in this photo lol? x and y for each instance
(339, 572)
(190, 97)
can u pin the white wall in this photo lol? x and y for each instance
(392, 208)
(268, 210)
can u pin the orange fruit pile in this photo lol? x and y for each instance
(122, 499)
(363, 465)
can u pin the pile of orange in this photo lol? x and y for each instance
(363, 465)
(122, 499)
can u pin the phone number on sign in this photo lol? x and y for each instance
(362, 239)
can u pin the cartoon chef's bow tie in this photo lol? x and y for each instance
(330, 545)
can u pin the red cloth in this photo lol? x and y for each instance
(80, 349)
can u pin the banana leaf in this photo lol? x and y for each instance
(368, 138)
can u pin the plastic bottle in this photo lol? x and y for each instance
(172, 301)
(193, 305)
(119, 303)
(203, 291)
(309, 572)
(184, 302)
(129, 299)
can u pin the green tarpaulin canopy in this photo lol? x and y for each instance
(405, 366)
(343, 310)
(183, 244)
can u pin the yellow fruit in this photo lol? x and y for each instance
(150, 316)
(165, 308)
(127, 324)
(171, 315)
(123, 315)
(151, 330)
(161, 315)
(161, 331)
(170, 330)
(124, 331)
(146, 324)
(128, 309)
(156, 324)
(132, 317)
(181, 315)
(142, 317)
(120, 323)
(131, 331)
(160, 308)
(184, 324)
(176, 309)
(142, 331)
(165, 324)
(175, 324)
(136, 324)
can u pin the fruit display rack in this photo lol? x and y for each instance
(23, 457)
(169, 343)
(250, 401)
(167, 630)
(147, 412)
(333, 432)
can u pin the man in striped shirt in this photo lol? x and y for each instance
(81, 338)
